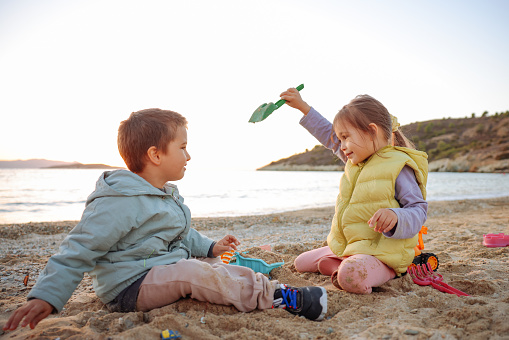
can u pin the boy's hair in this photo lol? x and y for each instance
(364, 110)
(144, 129)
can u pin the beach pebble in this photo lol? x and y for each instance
(128, 323)
(411, 332)
(329, 330)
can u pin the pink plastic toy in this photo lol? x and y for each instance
(496, 240)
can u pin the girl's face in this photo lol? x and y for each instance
(357, 145)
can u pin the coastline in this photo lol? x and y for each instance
(459, 164)
(396, 310)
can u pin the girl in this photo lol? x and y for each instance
(381, 203)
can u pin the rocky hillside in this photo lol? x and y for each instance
(471, 144)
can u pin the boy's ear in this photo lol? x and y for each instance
(154, 155)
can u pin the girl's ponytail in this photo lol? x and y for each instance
(398, 138)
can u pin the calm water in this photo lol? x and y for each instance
(57, 194)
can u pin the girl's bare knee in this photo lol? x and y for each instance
(352, 276)
(300, 264)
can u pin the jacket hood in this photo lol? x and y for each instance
(125, 183)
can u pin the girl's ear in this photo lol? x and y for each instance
(153, 155)
(373, 128)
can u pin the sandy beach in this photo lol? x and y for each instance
(399, 309)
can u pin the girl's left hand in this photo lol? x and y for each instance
(383, 220)
(227, 243)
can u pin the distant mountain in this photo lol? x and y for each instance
(84, 166)
(31, 164)
(45, 163)
(471, 144)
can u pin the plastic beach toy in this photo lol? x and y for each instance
(226, 257)
(168, 334)
(424, 275)
(424, 258)
(258, 265)
(264, 110)
(495, 240)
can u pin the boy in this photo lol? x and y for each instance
(136, 242)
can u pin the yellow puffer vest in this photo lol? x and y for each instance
(365, 188)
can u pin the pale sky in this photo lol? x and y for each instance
(70, 71)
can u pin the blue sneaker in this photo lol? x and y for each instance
(310, 302)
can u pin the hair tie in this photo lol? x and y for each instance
(395, 124)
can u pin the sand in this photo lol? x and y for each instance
(399, 309)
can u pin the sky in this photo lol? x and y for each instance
(72, 70)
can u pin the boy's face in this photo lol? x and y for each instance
(174, 161)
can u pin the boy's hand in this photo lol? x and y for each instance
(33, 311)
(293, 99)
(227, 243)
(383, 220)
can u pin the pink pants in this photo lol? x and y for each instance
(355, 274)
(208, 280)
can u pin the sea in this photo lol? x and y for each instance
(43, 195)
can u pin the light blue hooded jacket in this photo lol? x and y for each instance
(128, 227)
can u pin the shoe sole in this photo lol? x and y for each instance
(323, 303)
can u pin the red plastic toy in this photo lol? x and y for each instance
(425, 276)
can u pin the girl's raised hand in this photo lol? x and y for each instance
(383, 220)
(225, 244)
(294, 99)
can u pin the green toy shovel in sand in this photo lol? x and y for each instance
(264, 110)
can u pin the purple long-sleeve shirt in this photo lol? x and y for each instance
(414, 209)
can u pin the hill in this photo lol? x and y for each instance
(84, 166)
(30, 164)
(470, 144)
(49, 164)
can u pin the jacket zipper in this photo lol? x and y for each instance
(180, 206)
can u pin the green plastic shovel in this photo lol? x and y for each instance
(264, 110)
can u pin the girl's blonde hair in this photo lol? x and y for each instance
(364, 110)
